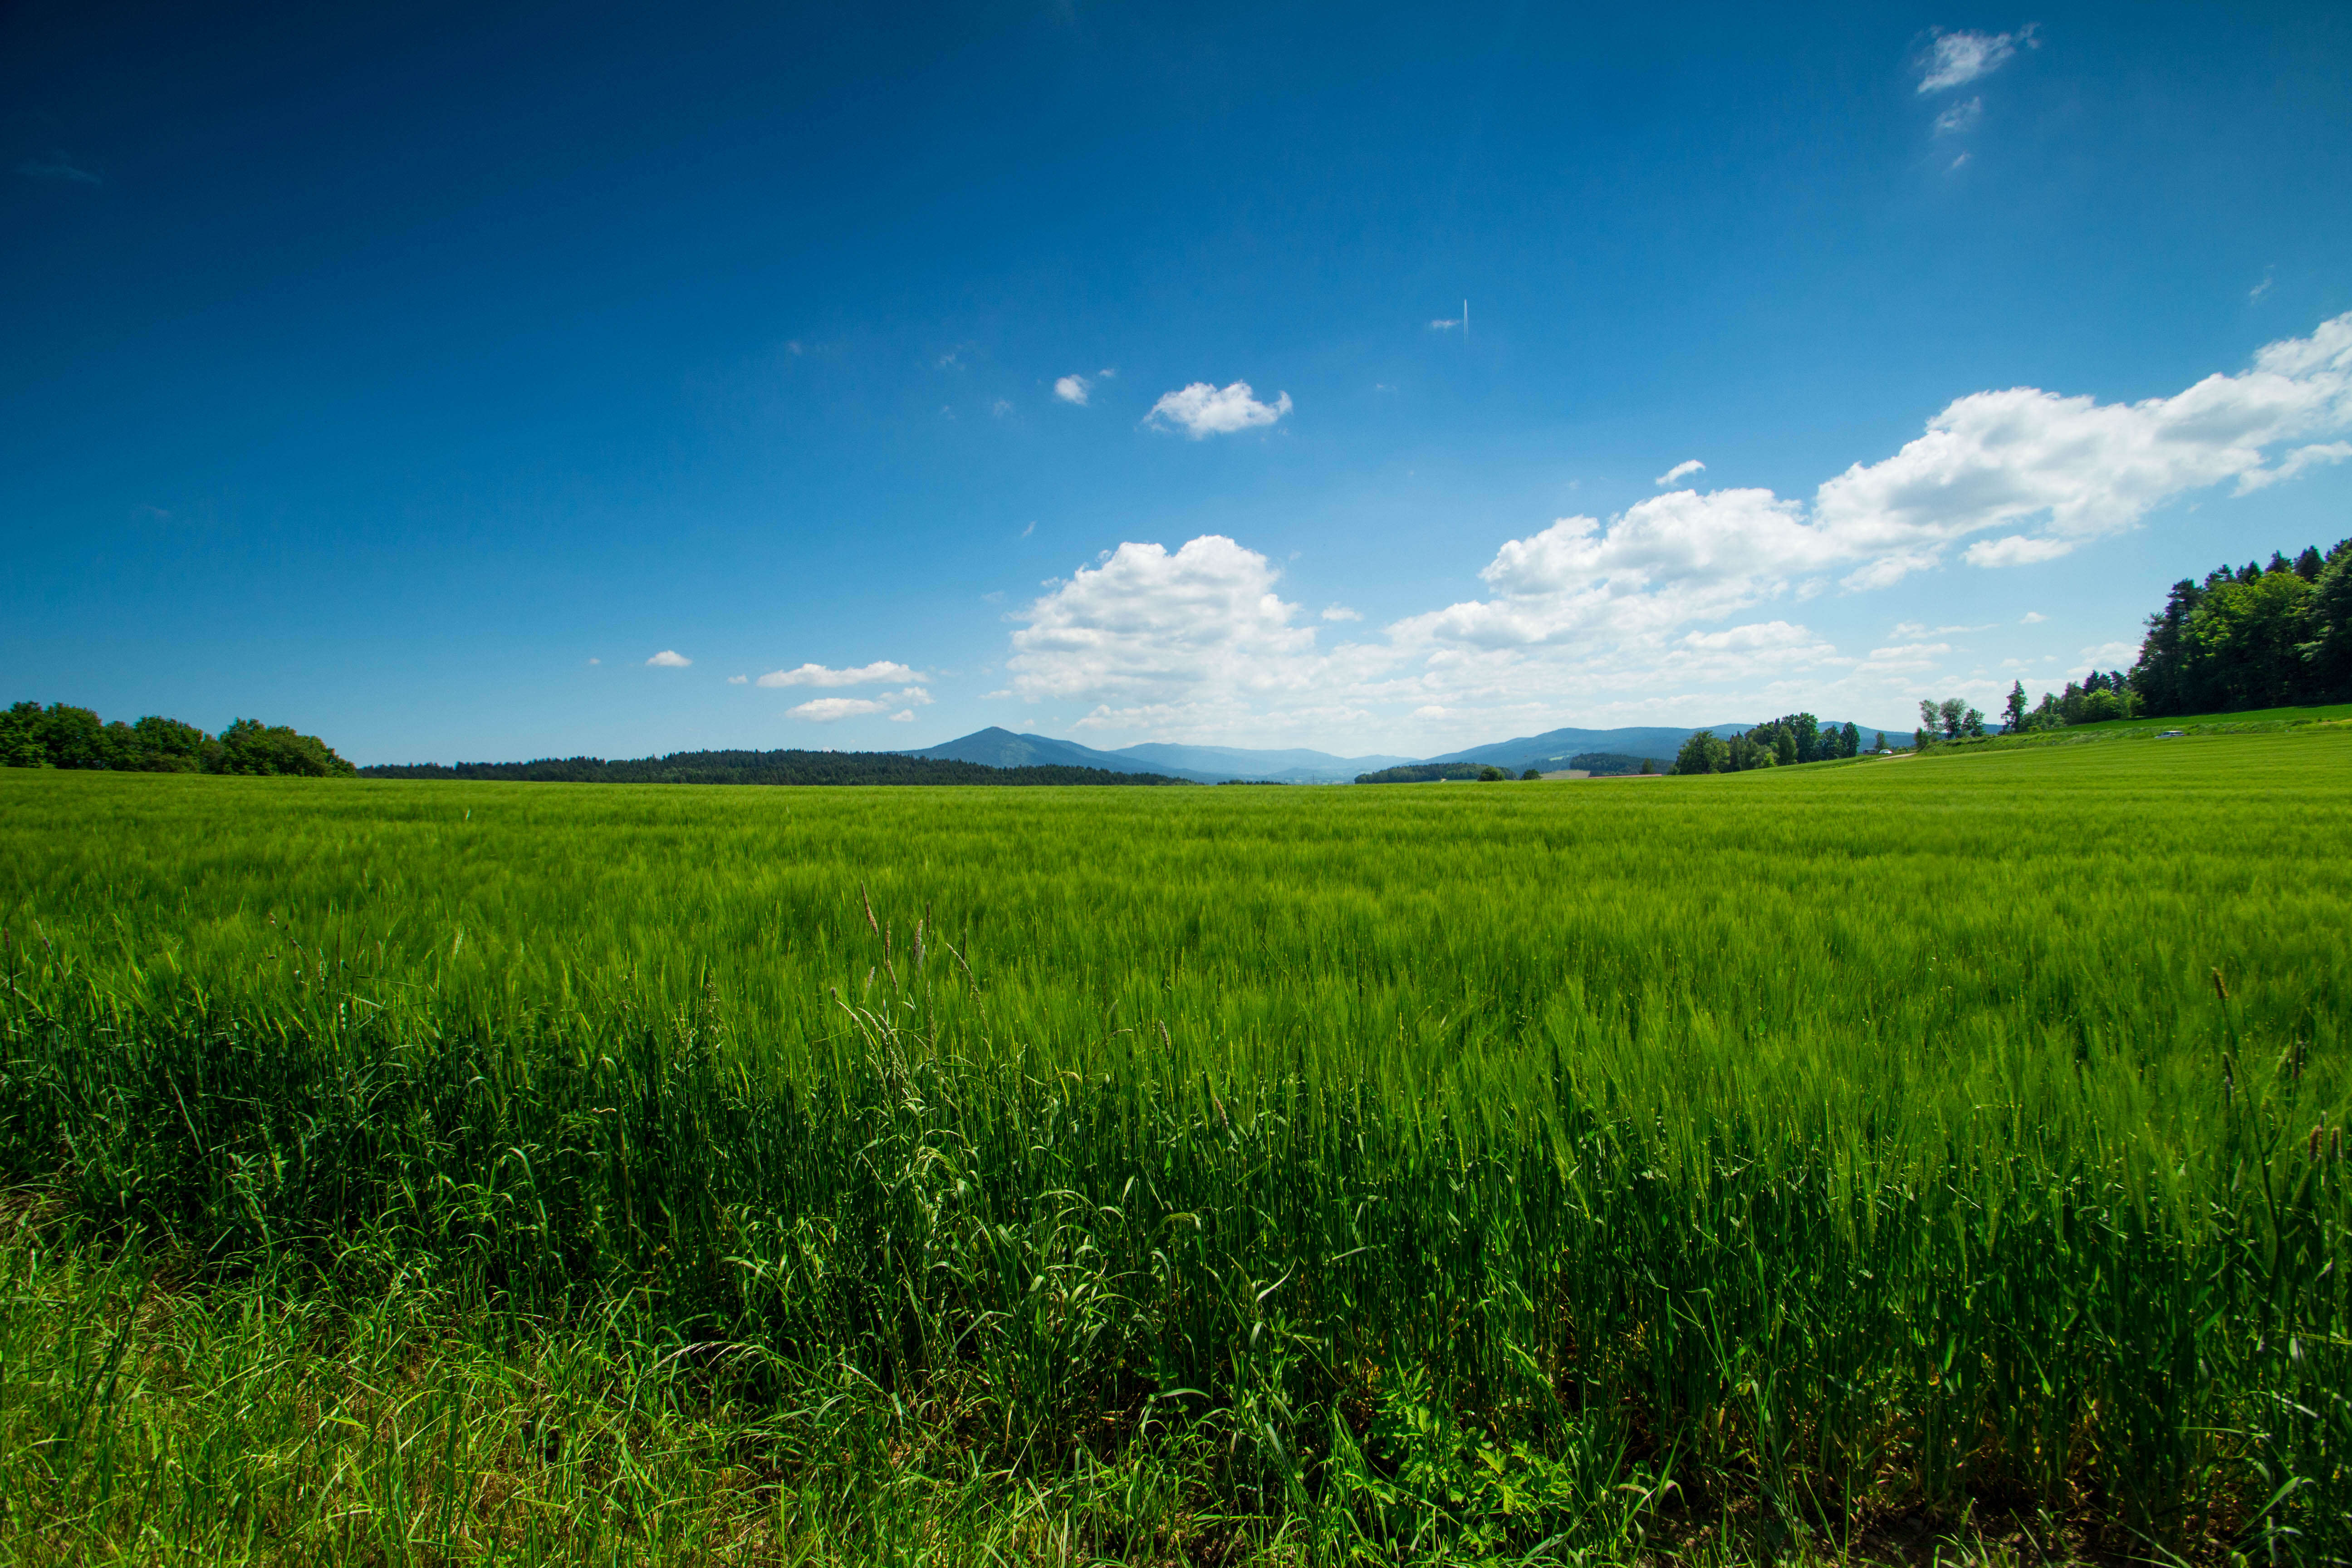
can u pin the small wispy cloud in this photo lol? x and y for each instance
(738, 680)
(874, 674)
(1681, 470)
(999, 408)
(826, 710)
(1955, 59)
(1073, 389)
(1445, 323)
(1960, 162)
(2032, 619)
(57, 166)
(1961, 116)
(669, 659)
(1030, 529)
(2263, 288)
(1201, 409)
(1342, 613)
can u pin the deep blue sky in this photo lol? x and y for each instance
(376, 370)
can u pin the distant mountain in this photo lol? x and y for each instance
(1000, 748)
(1549, 751)
(1297, 766)
(1554, 748)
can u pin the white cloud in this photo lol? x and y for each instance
(999, 408)
(2293, 463)
(1201, 409)
(1961, 116)
(1638, 619)
(2263, 288)
(826, 710)
(1681, 470)
(2032, 619)
(1340, 613)
(904, 716)
(1956, 59)
(57, 166)
(596, 661)
(737, 680)
(669, 659)
(1960, 162)
(874, 674)
(1108, 372)
(2074, 469)
(1445, 324)
(1073, 389)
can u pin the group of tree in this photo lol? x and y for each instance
(764, 768)
(2253, 636)
(2094, 700)
(63, 736)
(1610, 763)
(1782, 743)
(1431, 772)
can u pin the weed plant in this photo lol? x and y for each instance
(1540, 1171)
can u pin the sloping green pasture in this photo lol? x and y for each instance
(1452, 1170)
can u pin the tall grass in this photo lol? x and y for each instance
(1454, 1169)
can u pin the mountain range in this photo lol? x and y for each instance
(1001, 748)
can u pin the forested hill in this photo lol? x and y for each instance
(764, 768)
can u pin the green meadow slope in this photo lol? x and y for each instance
(1833, 1158)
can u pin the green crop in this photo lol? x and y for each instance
(1446, 1170)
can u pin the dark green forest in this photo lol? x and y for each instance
(1431, 772)
(763, 768)
(2251, 636)
(63, 736)
(1780, 743)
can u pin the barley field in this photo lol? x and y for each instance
(1877, 1160)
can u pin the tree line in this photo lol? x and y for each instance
(63, 736)
(2257, 636)
(2253, 636)
(1781, 742)
(785, 767)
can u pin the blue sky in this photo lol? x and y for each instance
(417, 376)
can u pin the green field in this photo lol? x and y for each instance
(1837, 1161)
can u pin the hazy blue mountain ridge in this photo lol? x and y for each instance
(1000, 748)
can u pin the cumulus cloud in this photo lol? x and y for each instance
(2073, 469)
(875, 674)
(2032, 619)
(669, 659)
(1201, 409)
(1681, 470)
(1145, 625)
(1682, 590)
(1961, 116)
(826, 710)
(1955, 59)
(1072, 389)
(1340, 613)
